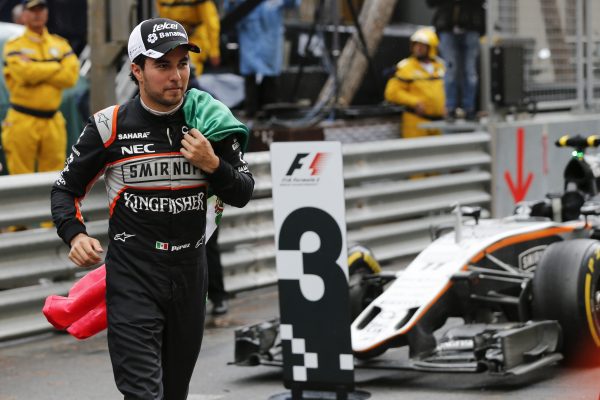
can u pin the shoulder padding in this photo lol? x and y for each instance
(106, 124)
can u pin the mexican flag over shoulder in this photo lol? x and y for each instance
(212, 118)
(216, 122)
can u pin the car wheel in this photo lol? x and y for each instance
(361, 263)
(566, 288)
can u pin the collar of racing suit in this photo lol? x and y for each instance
(162, 113)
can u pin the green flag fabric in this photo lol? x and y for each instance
(216, 122)
(212, 118)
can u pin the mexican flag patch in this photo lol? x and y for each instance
(162, 246)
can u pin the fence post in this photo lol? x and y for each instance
(108, 32)
(486, 68)
(589, 53)
(579, 51)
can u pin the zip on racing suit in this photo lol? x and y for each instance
(156, 262)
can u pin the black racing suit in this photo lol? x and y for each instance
(156, 262)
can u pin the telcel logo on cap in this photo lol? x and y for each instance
(163, 26)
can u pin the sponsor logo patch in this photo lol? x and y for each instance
(159, 169)
(164, 204)
(163, 26)
(165, 246)
(244, 166)
(133, 135)
(122, 236)
(102, 119)
(180, 247)
(529, 259)
(138, 149)
(171, 34)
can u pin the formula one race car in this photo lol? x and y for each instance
(526, 287)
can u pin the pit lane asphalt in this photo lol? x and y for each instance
(56, 366)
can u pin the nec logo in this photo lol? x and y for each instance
(315, 164)
(138, 149)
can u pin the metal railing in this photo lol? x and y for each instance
(395, 191)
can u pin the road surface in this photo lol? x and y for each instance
(56, 366)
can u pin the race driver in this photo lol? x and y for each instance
(158, 171)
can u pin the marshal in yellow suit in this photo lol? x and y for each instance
(418, 84)
(37, 70)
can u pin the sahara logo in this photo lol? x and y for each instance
(305, 169)
(133, 135)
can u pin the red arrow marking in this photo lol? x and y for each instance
(520, 190)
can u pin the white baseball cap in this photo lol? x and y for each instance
(156, 37)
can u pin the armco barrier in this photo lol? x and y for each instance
(395, 191)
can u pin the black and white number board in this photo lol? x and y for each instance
(309, 216)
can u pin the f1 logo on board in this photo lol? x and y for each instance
(138, 149)
(314, 167)
(305, 169)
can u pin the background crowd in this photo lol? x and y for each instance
(452, 42)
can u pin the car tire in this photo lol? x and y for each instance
(361, 263)
(566, 288)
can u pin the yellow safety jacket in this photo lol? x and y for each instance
(413, 84)
(38, 83)
(201, 20)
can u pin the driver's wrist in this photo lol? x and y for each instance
(214, 165)
(77, 237)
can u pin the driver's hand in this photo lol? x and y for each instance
(198, 150)
(85, 250)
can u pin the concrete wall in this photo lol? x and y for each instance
(540, 158)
